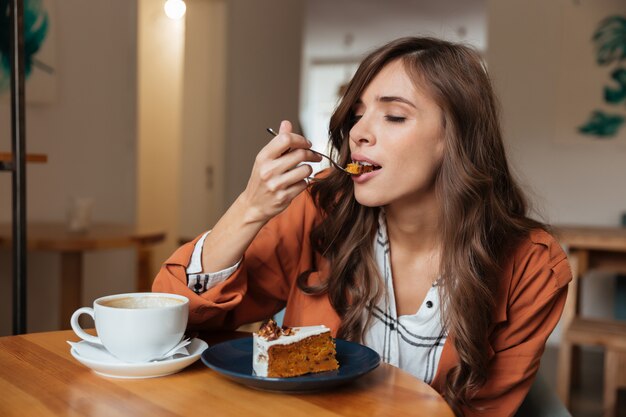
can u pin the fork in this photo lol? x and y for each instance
(335, 164)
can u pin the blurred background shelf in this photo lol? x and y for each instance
(6, 160)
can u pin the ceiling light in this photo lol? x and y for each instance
(175, 9)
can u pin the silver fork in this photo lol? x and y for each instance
(335, 164)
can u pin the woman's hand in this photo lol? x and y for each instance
(277, 178)
(278, 175)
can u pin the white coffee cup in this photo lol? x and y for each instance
(136, 327)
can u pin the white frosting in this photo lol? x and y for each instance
(260, 345)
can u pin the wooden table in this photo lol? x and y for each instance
(55, 237)
(590, 248)
(597, 249)
(39, 377)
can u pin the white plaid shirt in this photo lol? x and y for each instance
(410, 342)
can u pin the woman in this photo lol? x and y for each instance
(430, 259)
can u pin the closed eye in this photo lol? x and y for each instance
(395, 119)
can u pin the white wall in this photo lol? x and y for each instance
(159, 123)
(575, 181)
(373, 23)
(88, 133)
(571, 180)
(203, 116)
(264, 41)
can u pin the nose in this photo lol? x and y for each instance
(362, 133)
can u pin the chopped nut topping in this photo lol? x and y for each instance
(270, 331)
(288, 331)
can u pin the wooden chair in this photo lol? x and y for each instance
(610, 335)
(592, 249)
(614, 379)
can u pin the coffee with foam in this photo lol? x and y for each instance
(141, 302)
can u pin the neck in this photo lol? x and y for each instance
(414, 226)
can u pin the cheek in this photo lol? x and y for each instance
(422, 156)
(433, 150)
(419, 167)
(438, 155)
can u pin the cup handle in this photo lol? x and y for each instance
(79, 330)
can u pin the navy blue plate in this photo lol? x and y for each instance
(233, 359)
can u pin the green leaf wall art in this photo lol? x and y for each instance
(610, 40)
(610, 44)
(616, 95)
(602, 124)
(36, 23)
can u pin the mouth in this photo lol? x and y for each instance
(361, 167)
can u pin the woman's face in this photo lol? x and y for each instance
(398, 128)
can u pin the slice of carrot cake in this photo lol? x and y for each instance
(285, 352)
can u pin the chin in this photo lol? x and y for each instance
(369, 199)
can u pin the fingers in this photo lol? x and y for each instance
(284, 142)
(290, 192)
(296, 157)
(293, 191)
(287, 169)
(289, 178)
(285, 127)
(279, 173)
(283, 155)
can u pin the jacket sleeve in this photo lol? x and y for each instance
(259, 288)
(536, 296)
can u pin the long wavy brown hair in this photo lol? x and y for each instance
(483, 211)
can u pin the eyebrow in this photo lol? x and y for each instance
(390, 99)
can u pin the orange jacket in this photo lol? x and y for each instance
(529, 304)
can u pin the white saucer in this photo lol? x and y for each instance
(142, 370)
